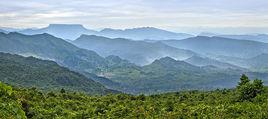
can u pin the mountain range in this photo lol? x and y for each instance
(162, 75)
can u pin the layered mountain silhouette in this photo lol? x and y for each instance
(162, 75)
(138, 52)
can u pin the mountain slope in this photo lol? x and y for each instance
(65, 31)
(143, 33)
(167, 75)
(46, 46)
(138, 52)
(45, 75)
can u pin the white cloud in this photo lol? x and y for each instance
(133, 13)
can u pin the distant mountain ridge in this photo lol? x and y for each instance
(220, 46)
(143, 33)
(73, 31)
(257, 37)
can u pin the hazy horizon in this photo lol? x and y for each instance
(192, 16)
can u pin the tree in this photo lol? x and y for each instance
(247, 90)
(62, 91)
(243, 80)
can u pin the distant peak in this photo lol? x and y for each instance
(66, 26)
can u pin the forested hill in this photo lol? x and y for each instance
(45, 75)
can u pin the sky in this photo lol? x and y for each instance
(177, 15)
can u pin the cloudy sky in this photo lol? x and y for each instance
(177, 15)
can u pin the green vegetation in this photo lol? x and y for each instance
(248, 100)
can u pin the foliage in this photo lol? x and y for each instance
(10, 107)
(216, 104)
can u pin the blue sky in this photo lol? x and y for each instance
(176, 15)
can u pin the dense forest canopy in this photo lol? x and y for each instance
(247, 100)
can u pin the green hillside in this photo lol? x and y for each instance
(45, 75)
